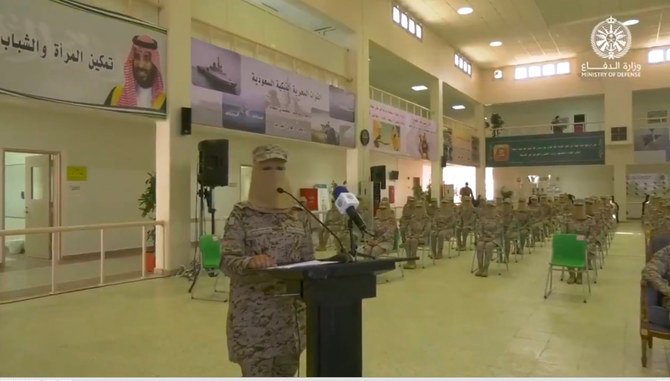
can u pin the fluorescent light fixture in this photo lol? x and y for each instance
(495, 44)
(396, 15)
(412, 26)
(419, 31)
(548, 69)
(656, 56)
(497, 74)
(456, 59)
(563, 67)
(469, 69)
(464, 11)
(667, 55)
(461, 63)
(520, 73)
(458, 107)
(419, 88)
(403, 20)
(534, 71)
(631, 22)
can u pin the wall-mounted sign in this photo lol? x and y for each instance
(237, 92)
(71, 52)
(75, 173)
(540, 150)
(365, 137)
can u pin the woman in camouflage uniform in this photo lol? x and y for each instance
(265, 331)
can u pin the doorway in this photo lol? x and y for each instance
(31, 191)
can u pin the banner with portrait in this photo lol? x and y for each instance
(237, 92)
(652, 144)
(65, 51)
(399, 132)
(460, 146)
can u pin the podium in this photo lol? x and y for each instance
(333, 294)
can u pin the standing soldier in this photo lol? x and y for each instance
(266, 332)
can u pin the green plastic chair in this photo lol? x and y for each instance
(210, 261)
(568, 253)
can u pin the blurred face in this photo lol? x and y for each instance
(143, 69)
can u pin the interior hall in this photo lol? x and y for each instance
(379, 188)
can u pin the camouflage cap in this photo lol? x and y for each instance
(588, 201)
(384, 204)
(579, 202)
(507, 201)
(269, 151)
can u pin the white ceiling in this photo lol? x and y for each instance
(536, 30)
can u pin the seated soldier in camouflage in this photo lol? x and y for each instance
(384, 231)
(443, 227)
(584, 226)
(536, 221)
(657, 272)
(406, 216)
(524, 222)
(265, 331)
(335, 222)
(467, 220)
(418, 231)
(489, 235)
(510, 226)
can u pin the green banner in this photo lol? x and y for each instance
(539, 150)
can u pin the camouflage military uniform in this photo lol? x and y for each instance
(489, 231)
(335, 221)
(418, 230)
(657, 271)
(587, 229)
(467, 222)
(510, 227)
(406, 217)
(385, 227)
(444, 224)
(264, 329)
(523, 221)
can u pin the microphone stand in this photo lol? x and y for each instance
(342, 256)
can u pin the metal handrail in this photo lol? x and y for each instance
(416, 108)
(451, 122)
(55, 231)
(549, 124)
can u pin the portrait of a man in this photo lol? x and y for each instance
(143, 82)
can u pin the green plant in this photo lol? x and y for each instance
(147, 204)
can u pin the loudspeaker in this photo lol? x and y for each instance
(186, 121)
(378, 175)
(393, 175)
(213, 163)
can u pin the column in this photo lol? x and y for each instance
(173, 167)
(436, 107)
(619, 112)
(478, 124)
(358, 159)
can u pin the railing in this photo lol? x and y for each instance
(55, 235)
(399, 103)
(544, 129)
(454, 124)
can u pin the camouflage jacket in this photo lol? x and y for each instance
(467, 218)
(261, 323)
(384, 231)
(490, 229)
(657, 271)
(586, 228)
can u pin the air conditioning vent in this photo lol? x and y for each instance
(619, 134)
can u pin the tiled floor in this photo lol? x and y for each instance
(440, 321)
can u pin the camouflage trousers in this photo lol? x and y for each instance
(282, 366)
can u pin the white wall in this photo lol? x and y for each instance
(118, 151)
(308, 164)
(543, 111)
(15, 184)
(579, 180)
(407, 169)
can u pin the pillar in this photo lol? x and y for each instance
(437, 111)
(173, 154)
(619, 112)
(480, 176)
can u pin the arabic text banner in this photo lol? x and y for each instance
(69, 52)
(652, 144)
(402, 133)
(541, 150)
(241, 93)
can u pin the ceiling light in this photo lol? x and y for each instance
(464, 11)
(631, 22)
(495, 44)
(497, 74)
(419, 88)
(458, 107)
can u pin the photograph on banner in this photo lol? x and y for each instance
(237, 92)
(71, 52)
(537, 150)
(639, 185)
(652, 144)
(399, 132)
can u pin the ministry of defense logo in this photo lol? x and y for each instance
(610, 39)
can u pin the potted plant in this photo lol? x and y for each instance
(147, 206)
(496, 124)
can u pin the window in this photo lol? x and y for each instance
(520, 73)
(619, 134)
(656, 56)
(543, 70)
(463, 64)
(407, 22)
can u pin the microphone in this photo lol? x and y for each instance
(343, 256)
(347, 203)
